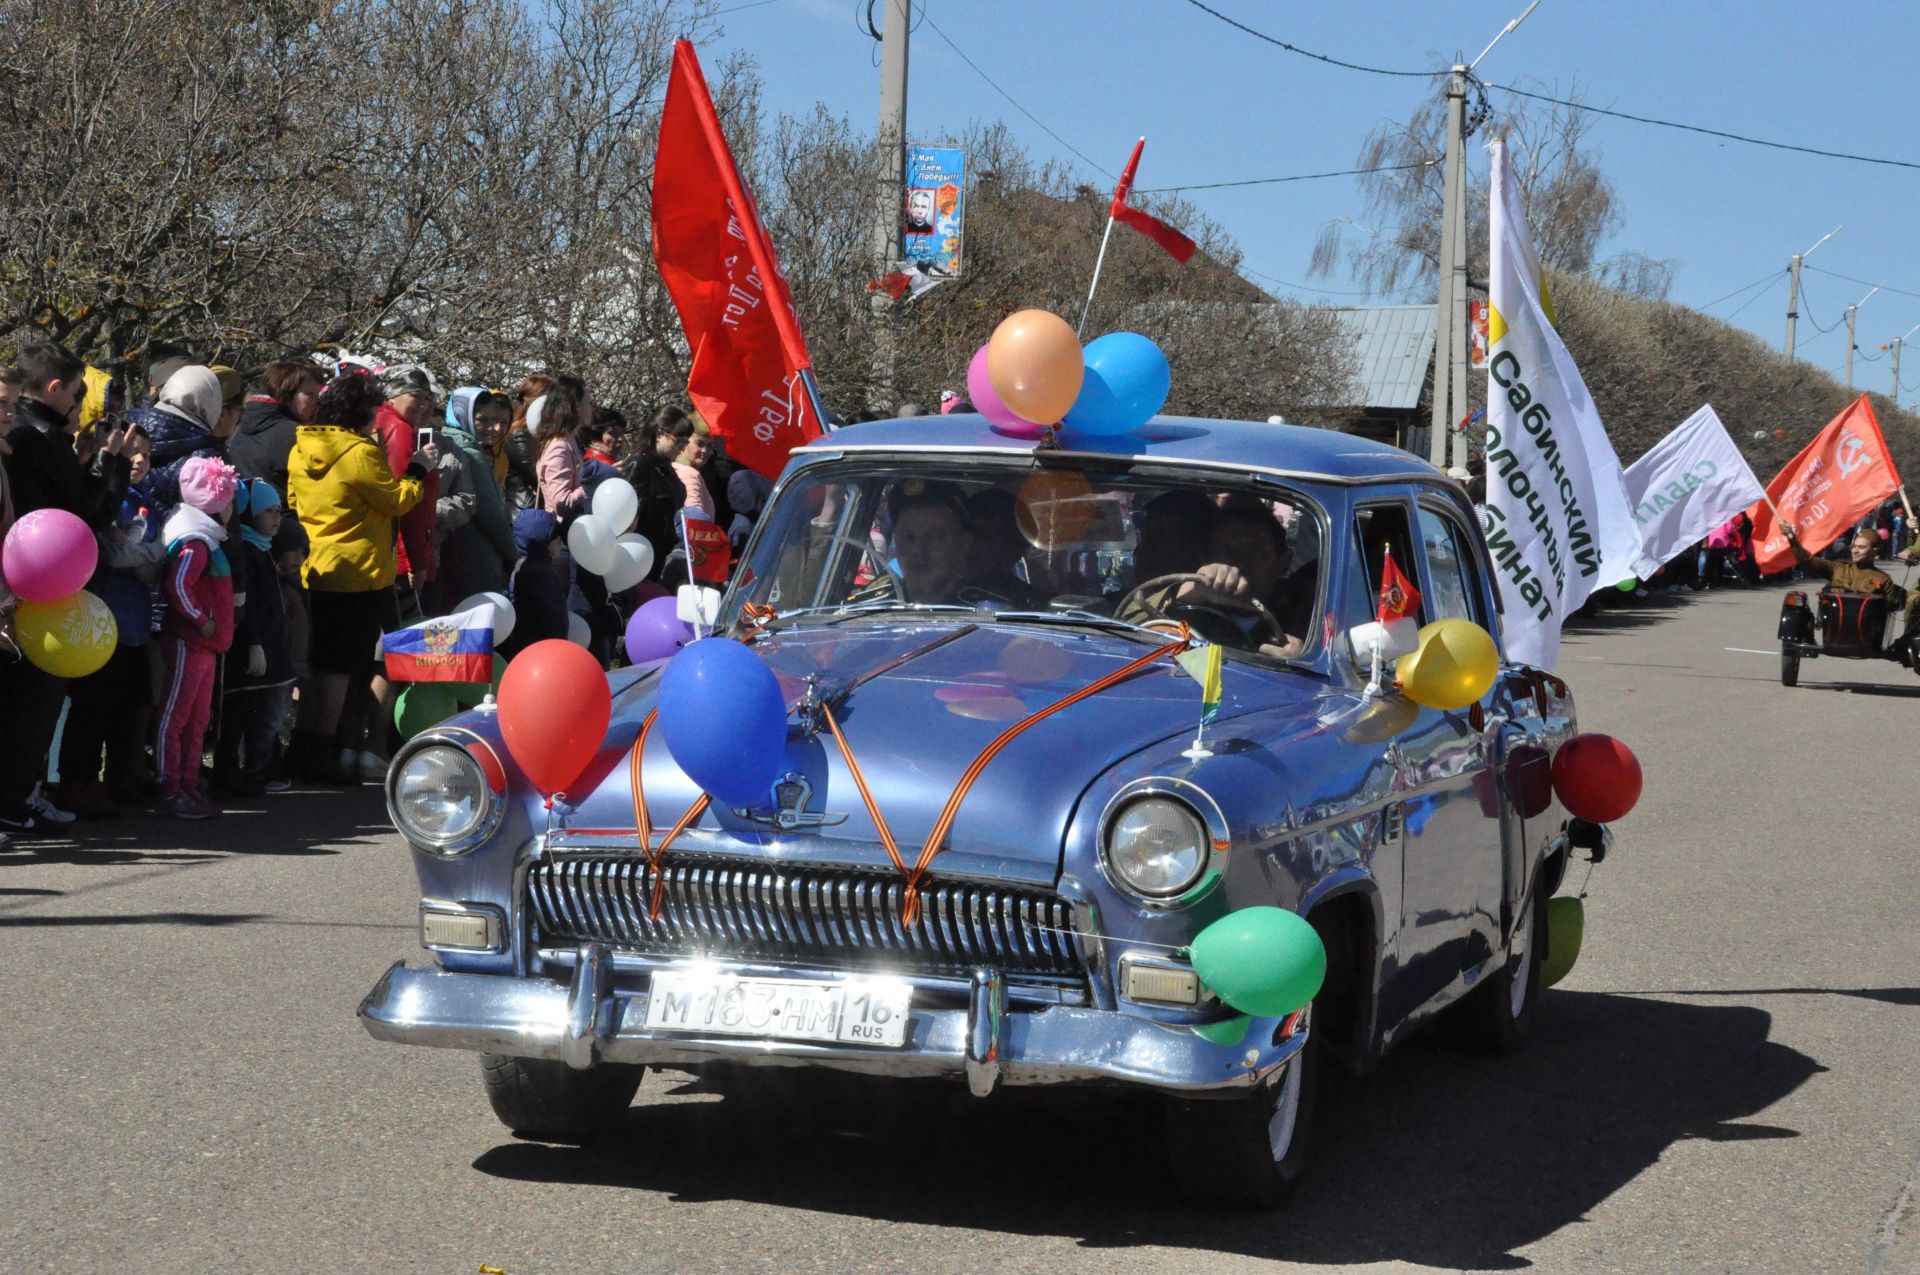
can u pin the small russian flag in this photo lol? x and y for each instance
(451, 648)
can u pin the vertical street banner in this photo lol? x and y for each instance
(718, 265)
(1687, 484)
(1845, 471)
(936, 209)
(1558, 521)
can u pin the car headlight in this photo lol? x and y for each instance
(1157, 846)
(439, 798)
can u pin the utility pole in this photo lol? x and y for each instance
(1851, 310)
(890, 196)
(1793, 288)
(1449, 365)
(1895, 390)
(1793, 300)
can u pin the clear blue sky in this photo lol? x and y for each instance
(1219, 105)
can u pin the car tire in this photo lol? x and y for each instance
(1497, 1016)
(544, 1098)
(1789, 667)
(1246, 1152)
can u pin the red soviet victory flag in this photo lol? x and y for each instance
(1840, 475)
(718, 265)
(1178, 246)
(1398, 598)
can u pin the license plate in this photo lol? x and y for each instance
(855, 1012)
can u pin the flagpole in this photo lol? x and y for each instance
(813, 396)
(1080, 330)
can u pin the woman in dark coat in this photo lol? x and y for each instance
(522, 483)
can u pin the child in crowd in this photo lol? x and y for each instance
(197, 630)
(539, 585)
(259, 686)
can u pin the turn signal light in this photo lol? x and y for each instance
(464, 931)
(1794, 598)
(1148, 979)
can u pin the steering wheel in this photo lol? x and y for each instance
(1156, 596)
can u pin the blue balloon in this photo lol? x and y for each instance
(1126, 383)
(724, 720)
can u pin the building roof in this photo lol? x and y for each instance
(1393, 347)
(1247, 445)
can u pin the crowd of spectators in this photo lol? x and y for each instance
(260, 529)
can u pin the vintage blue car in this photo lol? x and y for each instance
(925, 590)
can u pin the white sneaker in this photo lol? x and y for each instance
(40, 804)
(373, 766)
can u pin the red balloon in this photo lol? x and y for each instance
(554, 710)
(1597, 778)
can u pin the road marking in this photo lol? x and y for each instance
(1747, 650)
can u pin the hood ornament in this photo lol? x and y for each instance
(791, 793)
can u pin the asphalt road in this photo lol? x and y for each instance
(1726, 1082)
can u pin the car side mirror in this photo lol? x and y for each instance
(1385, 643)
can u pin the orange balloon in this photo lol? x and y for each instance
(1035, 365)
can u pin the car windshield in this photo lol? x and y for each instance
(1018, 541)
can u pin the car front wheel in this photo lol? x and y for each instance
(1246, 1152)
(543, 1098)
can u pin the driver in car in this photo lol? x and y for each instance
(1249, 557)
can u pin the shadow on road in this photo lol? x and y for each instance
(299, 823)
(1862, 688)
(1443, 1159)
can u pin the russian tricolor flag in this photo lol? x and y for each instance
(451, 648)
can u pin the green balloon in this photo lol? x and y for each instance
(1228, 1031)
(424, 704)
(1628, 585)
(1261, 961)
(1566, 927)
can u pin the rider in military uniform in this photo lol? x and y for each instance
(1858, 575)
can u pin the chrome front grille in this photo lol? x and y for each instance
(827, 917)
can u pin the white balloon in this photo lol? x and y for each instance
(577, 631)
(591, 545)
(633, 559)
(615, 505)
(503, 615)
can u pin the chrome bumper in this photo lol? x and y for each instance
(585, 1021)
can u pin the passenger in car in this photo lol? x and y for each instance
(932, 538)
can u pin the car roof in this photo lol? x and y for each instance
(1286, 450)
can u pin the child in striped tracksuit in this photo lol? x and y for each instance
(196, 631)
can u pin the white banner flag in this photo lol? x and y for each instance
(1692, 481)
(1557, 517)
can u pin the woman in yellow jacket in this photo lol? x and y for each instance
(346, 497)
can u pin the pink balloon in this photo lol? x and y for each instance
(49, 555)
(988, 404)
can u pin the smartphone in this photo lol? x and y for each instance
(423, 437)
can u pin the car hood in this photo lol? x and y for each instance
(933, 699)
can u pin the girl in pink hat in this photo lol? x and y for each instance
(196, 631)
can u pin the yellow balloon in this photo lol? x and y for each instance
(1454, 666)
(1035, 364)
(68, 638)
(1566, 927)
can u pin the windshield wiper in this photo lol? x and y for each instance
(1091, 619)
(837, 613)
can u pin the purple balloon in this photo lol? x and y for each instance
(656, 631)
(49, 555)
(988, 404)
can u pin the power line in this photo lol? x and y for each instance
(1306, 287)
(752, 4)
(1305, 53)
(1806, 308)
(1016, 106)
(1710, 132)
(1298, 177)
(1771, 274)
(1868, 282)
(1755, 297)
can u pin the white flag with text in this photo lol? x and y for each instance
(1692, 481)
(1558, 521)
